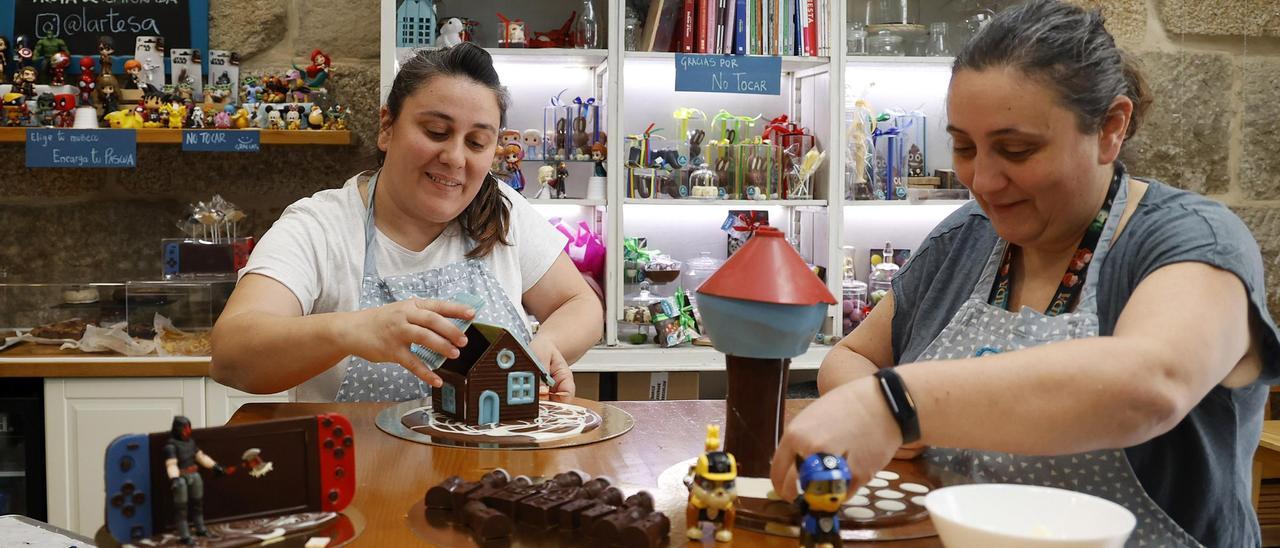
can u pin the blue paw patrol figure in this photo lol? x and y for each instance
(824, 482)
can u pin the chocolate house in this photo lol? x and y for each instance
(494, 379)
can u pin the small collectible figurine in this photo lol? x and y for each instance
(318, 70)
(511, 157)
(532, 144)
(241, 118)
(24, 82)
(133, 70)
(64, 110)
(151, 102)
(298, 91)
(87, 81)
(16, 112)
(4, 59)
(46, 47)
(546, 176)
(182, 462)
(315, 118)
(712, 493)
(507, 137)
(293, 117)
(335, 118)
(824, 480)
(59, 62)
(274, 119)
(23, 54)
(44, 109)
(252, 88)
(197, 117)
(222, 120)
(562, 177)
(599, 152)
(451, 32)
(106, 48)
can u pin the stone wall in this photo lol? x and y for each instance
(1214, 67)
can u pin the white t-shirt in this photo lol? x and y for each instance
(316, 249)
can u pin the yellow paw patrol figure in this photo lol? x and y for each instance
(712, 493)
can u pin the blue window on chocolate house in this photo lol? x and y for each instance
(521, 388)
(448, 398)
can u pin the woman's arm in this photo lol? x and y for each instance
(263, 344)
(1067, 397)
(570, 318)
(868, 347)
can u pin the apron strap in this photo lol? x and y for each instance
(371, 233)
(1088, 295)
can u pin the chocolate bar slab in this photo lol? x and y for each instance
(486, 523)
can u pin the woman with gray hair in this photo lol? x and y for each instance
(1073, 326)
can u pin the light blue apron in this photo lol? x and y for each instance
(979, 328)
(365, 381)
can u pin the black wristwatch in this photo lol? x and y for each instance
(900, 404)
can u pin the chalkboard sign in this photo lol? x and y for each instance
(747, 74)
(81, 147)
(182, 23)
(220, 140)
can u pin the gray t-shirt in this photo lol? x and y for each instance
(1199, 472)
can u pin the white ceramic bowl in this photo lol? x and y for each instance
(996, 515)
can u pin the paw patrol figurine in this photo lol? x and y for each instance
(711, 490)
(824, 482)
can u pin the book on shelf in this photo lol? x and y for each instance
(738, 27)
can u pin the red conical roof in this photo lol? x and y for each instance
(767, 270)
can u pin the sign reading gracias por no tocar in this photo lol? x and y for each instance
(746, 74)
(81, 148)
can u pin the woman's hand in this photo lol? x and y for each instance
(384, 333)
(864, 432)
(547, 353)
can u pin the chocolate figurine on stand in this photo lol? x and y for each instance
(760, 322)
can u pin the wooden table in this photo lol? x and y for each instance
(392, 474)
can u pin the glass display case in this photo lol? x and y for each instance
(59, 310)
(178, 314)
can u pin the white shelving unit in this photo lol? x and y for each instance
(637, 88)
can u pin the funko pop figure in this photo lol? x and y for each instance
(599, 153)
(532, 144)
(58, 63)
(64, 106)
(106, 48)
(87, 81)
(25, 82)
(511, 153)
(133, 68)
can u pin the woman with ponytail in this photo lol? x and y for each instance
(1074, 326)
(348, 280)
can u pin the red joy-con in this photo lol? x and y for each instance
(337, 461)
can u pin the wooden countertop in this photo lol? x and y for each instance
(393, 474)
(43, 360)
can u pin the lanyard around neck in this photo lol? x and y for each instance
(1073, 281)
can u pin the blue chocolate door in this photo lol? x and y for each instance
(488, 407)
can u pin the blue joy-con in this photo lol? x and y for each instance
(171, 258)
(434, 359)
(128, 484)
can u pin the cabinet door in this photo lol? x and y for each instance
(82, 416)
(222, 401)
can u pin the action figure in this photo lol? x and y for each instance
(64, 110)
(511, 153)
(58, 64)
(46, 48)
(133, 68)
(318, 70)
(4, 59)
(24, 82)
(546, 176)
(106, 48)
(562, 178)
(180, 464)
(824, 480)
(712, 493)
(23, 55)
(87, 81)
(532, 144)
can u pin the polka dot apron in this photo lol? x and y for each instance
(979, 328)
(365, 381)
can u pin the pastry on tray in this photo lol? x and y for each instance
(66, 329)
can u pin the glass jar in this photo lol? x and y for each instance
(636, 317)
(882, 275)
(697, 270)
(854, 305)
(938, 41)
(631, 30)
(584, 27)
(894, 12)
(885, 43)
(857, 39)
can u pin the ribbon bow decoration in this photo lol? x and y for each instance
(684, 114)
(749, 222)
(684, 308)
(583, 105)
(780, 126)
(555, 100)
(634, 251)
